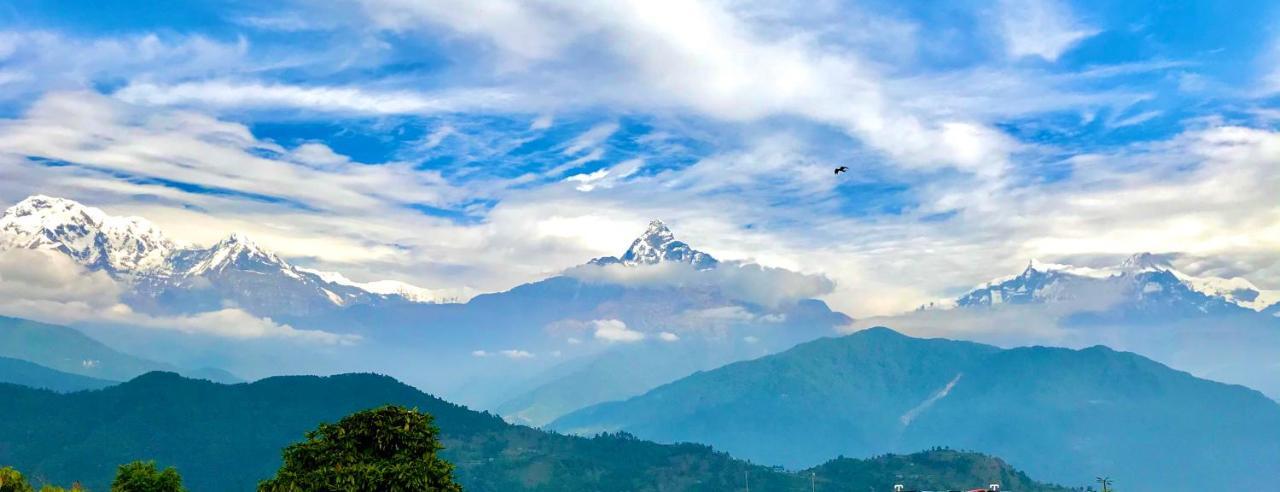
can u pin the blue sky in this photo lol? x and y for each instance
(484, 144)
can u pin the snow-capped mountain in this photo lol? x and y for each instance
(169, 276)
(119, 245)
(398, 288)
(658, 245)
(1144, 282)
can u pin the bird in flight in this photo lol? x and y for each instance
(842, 169)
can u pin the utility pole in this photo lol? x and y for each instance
(813, 481)
(746, 477)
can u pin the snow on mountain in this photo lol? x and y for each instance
(237, 269)
(1143, 277)
(657, 245)
(1236, 289)
(397, 288)
(236, 251)
(119, 245)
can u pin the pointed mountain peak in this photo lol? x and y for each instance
(238, 239)
(657, 228)
(658, 245)
(238, 249)
(1146, 262)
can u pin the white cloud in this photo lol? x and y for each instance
(49, 286)
(45, 278)
(769, 287)
(479, 353)
(1043, 28)
(233, 94)
(542, 122)
(516, 354)
(667, 336)
(612, 330)
(605, 178)
(700, 57)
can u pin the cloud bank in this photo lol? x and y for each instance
(50, 287)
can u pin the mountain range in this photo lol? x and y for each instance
(532, 331)
(228, 437)
(168, 276)
(1143, 286)
(1060, 413)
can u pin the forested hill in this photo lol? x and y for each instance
(228, 437)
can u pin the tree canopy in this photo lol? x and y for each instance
(386, 449)
(12, 481)
(144, 476)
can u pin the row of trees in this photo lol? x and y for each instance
(139, 476)
(386, 449)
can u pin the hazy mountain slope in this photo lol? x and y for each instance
(843, 395)
(225, 438)
(67, 350)
(619, 374)
(1059, 413)
(32, 375)
(1115, 412)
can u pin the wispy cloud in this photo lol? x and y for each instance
(248, 95)
(1043, 28)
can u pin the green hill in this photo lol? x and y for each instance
(33, 375)
(1061, 414)
(228, 437)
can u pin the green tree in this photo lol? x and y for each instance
(12, 481)
(75, 487)
(386, 449)
(143, 476)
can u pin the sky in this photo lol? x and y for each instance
(456, 144)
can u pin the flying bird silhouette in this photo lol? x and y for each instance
(842, 169)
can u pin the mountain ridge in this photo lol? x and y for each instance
(136, 251)
(241, 428)
(1142, 277)
(879, 391)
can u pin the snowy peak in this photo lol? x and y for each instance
(86, 234)
(135, 250)
(659, 245)
(1146, 262)
(241, 252)
(1142, 278)
(405, 290)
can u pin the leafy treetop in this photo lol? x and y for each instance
(386, 449)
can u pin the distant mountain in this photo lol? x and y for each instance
(704, 327)
(1059, 413)
(168, 276)
(658, 245)
(229, 437)
(66, 350)
(1144, 286)
(31, 375)
(412, 331)
(618, 374)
